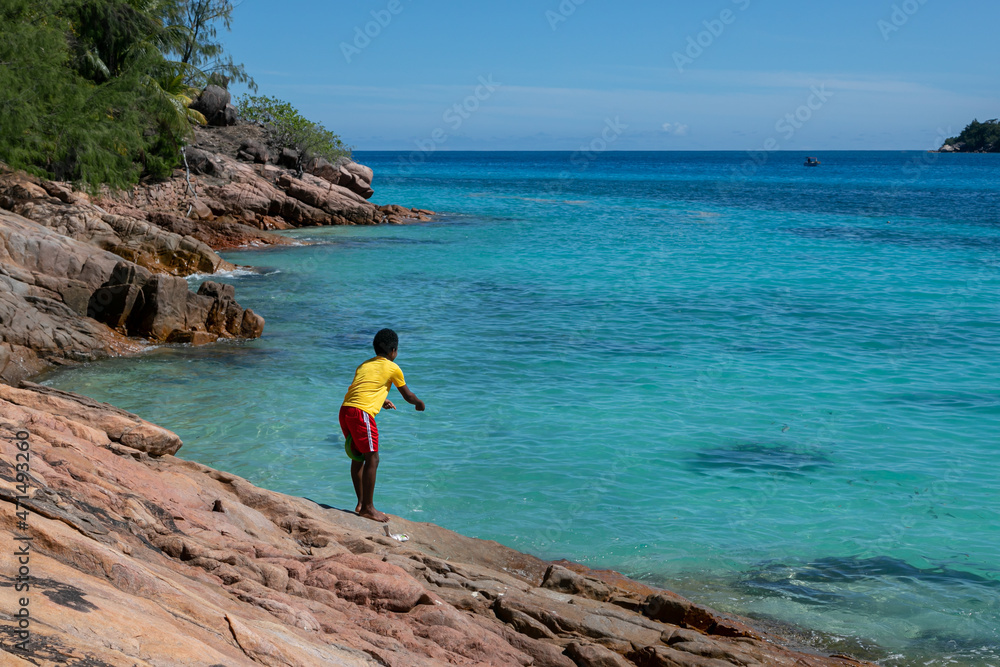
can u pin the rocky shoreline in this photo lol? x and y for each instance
(141, 558)
(118, 553)
(85, 277)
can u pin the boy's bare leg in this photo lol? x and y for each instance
(356, 467)
(368, 472)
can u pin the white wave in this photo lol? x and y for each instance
(238, 272)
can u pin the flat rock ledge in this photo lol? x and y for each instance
(138, 558)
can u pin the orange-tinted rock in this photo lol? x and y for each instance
(594, 655)
(559, 578)
(192, 337)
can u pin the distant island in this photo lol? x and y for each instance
(975, 138)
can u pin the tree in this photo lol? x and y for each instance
(57, 121)
(88, 89)
(199, 45)
(111, 36)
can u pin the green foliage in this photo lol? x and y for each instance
(58, 122)
(87, 92)
(979, 137)
(289, 128)
(170, 88)
(99, 91)
(198, 43)
(108, 37)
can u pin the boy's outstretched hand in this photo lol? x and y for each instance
(411, 398)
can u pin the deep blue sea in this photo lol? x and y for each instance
(775, 389)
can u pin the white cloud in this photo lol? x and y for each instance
(676, 129)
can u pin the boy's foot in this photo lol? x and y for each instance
(357, 510)
(374, 515)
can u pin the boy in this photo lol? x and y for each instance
(365, 397)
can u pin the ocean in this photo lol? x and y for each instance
(772, 388)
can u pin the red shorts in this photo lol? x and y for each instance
(360, 427)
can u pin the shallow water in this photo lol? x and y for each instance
(777, 391)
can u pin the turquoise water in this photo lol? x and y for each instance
(773, 388)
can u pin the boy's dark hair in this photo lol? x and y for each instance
(385, 342)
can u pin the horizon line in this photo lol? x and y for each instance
(664, 150)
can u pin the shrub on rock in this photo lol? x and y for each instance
(289, 128)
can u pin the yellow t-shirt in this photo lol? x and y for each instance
(371, 384)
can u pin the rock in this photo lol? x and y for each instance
(593, 655)
(219, 233)
(313, 199)
(132, 238)
(192, 337)
(254, 151)
(714, 651)
(165, 309)
(359, 171)
(356, 178)
(162, 308)
(112, 303)
(200, 210)
(289, 158)
(394, 214)
(46, 280)
(59, 299)
(324, 169)
(545, 654)
(229, 116)
(120, 426)
(346, 173)
(252, 325)
(560, 579)
(672, 656)
(242, 196)
(522, 622)
(199, 161)
(223, 299)
(64, 193)
(65, 265)
(555, 615)
(212, 104)
(269, 222)
(667, 608)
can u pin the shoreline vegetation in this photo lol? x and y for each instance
(975, 138)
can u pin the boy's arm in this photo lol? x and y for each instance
(410, 397)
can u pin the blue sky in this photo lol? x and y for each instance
(667, 74)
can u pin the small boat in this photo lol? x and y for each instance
(812, 162)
